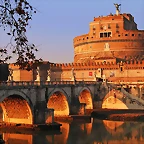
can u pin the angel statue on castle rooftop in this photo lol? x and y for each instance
(117, 6)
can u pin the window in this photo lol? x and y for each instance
(104, 61)
(109, 26)
(126, 34)
(117, 26)
(132, 34)
(94, 28)
(121, 69)
(117, 30)
(109, 34)
(101, 35)
(105, 34)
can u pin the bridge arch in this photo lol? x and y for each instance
(85, 96)
(59, 101)
(114, 100)
(17, 107)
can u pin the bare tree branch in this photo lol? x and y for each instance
(15, 15)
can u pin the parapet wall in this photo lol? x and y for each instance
(106, 65)
(123, 35)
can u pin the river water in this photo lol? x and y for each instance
(95, 132)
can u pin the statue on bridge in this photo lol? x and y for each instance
(38, 74)
(73, 75)
(117, 8)
(95, 78)
(48, 75)
(10, 77)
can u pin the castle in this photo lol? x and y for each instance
(113, 49)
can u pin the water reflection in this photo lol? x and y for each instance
(97, 132)
(113, 127)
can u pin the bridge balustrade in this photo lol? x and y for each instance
(43, 83)
(126, 83)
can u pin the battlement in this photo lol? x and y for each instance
(112, 17)
(134, 64)
(13, 66)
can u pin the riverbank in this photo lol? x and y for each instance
(119, 114)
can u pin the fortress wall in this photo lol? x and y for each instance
(86, 71)
(124, 39)
(116, 48)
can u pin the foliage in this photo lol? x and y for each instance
(15, 15)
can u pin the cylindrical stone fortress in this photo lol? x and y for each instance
(112, 36)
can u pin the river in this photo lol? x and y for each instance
(96, 132)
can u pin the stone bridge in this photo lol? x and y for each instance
(33, 102)
(39, 102)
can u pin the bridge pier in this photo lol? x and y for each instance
(75, 104)
(76, 107)
(40, 112)
(49, 116)
(82, 109)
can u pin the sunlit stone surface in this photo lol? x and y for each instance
(85, 97)
(16, 110)
(59, 103)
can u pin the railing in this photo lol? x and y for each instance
(51, 83)
(126, 83)
(44, 83)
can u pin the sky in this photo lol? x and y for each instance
(57, 22)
